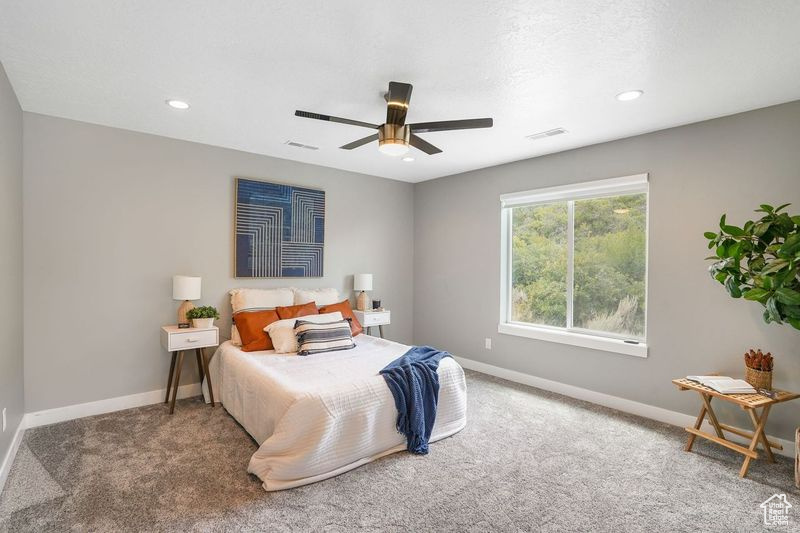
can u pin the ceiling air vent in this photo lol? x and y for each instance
(545, 134)
(301, 145)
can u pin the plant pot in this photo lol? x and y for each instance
(758, 378)
(202, 322)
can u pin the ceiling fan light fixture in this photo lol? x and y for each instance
(393, 149)
(393, 139)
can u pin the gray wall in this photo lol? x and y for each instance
(697, 172)
(111, 215)
(11, 366)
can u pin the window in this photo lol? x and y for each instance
(574, 264)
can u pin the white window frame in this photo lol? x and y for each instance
(609, 342)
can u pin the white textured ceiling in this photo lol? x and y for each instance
(245, 66)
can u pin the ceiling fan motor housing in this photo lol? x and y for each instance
(393, 139)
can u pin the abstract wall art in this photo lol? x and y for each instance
(279, 230)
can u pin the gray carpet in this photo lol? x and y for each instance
(528, 460)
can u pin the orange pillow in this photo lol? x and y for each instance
(294, 311)
(347, 312)
(251, 326)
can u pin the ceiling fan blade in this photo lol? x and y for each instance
(399, 93)
(317, 116)
(422, 144)
(360, 142)
(398, 99)
(445, 125)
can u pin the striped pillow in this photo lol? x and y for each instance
(326, 337)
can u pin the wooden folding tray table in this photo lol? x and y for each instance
(750, 403)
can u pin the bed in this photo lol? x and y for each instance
(317, 416)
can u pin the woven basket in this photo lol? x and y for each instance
(758, 378)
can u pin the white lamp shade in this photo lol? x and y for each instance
(185, 288)
(362, 282)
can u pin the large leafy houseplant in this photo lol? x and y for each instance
(759, 262)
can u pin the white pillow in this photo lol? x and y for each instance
(320, 296)
(255, 299)
(236, 340)
(282, 332)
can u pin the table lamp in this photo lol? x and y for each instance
(362, 282)
(185, 288)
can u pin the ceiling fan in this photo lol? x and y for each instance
(395, 136)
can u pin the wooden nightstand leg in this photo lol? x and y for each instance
(169, 380)
(380, 329)
(177, 382)
(200, 371)
(202, 354)
(712, 416)
(698, 423)
(762, 437)
(759, 432)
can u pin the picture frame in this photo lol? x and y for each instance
(278, 230)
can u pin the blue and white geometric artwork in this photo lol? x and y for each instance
(280, 230)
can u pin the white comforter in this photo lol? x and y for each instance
(317, 416)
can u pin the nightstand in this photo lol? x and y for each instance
(180, 340)
(374, 318)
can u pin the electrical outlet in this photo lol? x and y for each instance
(488, 343)
(4, 419)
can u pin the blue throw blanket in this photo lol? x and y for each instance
(414, 383)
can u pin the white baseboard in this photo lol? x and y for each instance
(71, 412)
(621, 404)
(8, 460)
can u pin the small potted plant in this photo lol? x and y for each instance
(203, 317)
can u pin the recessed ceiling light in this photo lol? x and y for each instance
(408, 159)
(177, 104)
(629, 95)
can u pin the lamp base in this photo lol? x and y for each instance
(362, 302)
(185, 307)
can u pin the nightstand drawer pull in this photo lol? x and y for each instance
(192, 340)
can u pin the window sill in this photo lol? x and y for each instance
(575, 339)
